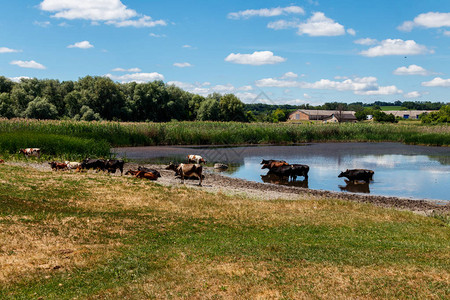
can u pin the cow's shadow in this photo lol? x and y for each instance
(284, 180)
(355, 187)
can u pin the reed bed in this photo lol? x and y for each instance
(83, 138)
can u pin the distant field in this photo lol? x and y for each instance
(386, 108)
(94, 236)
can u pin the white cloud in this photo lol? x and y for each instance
(396, 47)
(8, 50)
(427, 20)
(266, 12)
(351, 31)
(366, 41)
(204, 88)
(144, 21)
(320, 25)
(446, 32)
(359, 86)
(112, 12)
(136, 77)
(44, 24)
(289, 75)
(257, 58)
(246, 88)
(414, 94)
(246, 96)
(182, 65)
(157, 35)
(282, 24)
(19, 78)
(27, 64)
(186, 46)
(134, 70)
(306, 96)
(81, 45)
(412, 70)
(437, 82)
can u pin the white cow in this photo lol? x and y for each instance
(196, 159)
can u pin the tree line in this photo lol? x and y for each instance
(100, 98)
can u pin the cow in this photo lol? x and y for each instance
(299, 170)
(358, 174)
(148, 170)
(174, 167)
(291, 171)
(196, 159)
(57, 166)
(274, 164)
(111, 165)
(95, 164)
(2, 161)
(31, 151)
(264, 161)
(131, 172)
(275, 179)
(72, 164)
(185, 170)
(146, 175)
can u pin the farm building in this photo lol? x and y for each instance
(328, 116)
(408, 114)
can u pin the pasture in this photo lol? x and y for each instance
(66, 235)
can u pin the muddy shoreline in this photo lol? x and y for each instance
(217, 183)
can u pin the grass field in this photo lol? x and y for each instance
(388, 108)
(66, 235)
(76, 140)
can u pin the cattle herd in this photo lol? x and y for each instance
(193, 169)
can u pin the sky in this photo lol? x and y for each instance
(277, 52)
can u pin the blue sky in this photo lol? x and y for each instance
(294, 51)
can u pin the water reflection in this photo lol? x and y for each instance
(355, 187)
(275, 179)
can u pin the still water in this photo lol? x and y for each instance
(415, 172)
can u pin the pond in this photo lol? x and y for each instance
(416, 172)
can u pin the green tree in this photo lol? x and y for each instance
(41, 108)
(278, 116)
(209, 110)
(231, 108)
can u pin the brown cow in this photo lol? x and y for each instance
(149, 176)
(57, 166)
(31, 151)
(2, 161)
(186, 170)
(274, 164)
(131, 172)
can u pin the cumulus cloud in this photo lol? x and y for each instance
(320, 25)
(412, 70)
(396, 47)
(359, 86)
(81, 45)
(136, 70)
(351, 31)
(157, 35)
(414, 94)
(366, 41)
(289, 75)
(266, 12)
(427, 20)
(182, 65)
(112, 12)
(437, 82)
(8, 50)
(136, 77)
(283, 24)
(257, 58)
(28, 64)
(44, 24)
(204, 88)
(246, 88)
(19, 78)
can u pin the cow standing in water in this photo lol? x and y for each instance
(358, 174)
